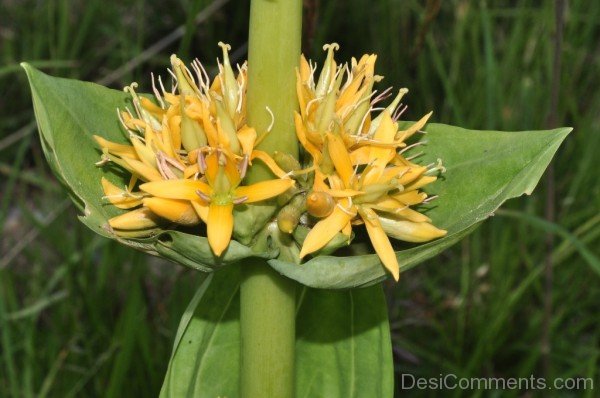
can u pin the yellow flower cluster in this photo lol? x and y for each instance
(361, 175)
(190, 149)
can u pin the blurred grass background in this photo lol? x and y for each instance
(83, 317)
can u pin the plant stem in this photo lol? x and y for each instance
(268, 332)
(273, 56)
(268, 299)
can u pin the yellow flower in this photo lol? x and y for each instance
(214, 199)
(190, 152)
(360, 176)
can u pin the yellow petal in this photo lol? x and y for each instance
(134, 220)
(263, 190)
(151, 107)
(385, 133)
(178, 211)
(411, 197)
(201, 209)
(411, 174)
(219, 227)
(143, 170)
(324, 231)
(412, 215)
(116, 149)
(144, 153)
(414, 128)
(247, 137)
(302, 137)
(191, 170)
(269, 162)
(176, 189)
(119, 197)
(421, 182)
(344, 193)
(361, 155)
(341, 159)
(409, 231)
(381, 243)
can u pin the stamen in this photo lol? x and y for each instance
(133, 136)
(240, 200)
(160, 83)
(203, 196)
(398, 113)
(363, 121)
(272, 119)
(348, 212)
(308, 105)
(163, 167)
(416, 144)
(201, 162)
(438, 167)
(174, 162)
(429, 199)
(121, 119)
(349, 77)
(243, 166)
(241, 87)
(414, 156)
(385, 94)
(156, 92)
(104, 159)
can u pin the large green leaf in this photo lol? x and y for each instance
(68, 114)
(343, 347)
(483, 169)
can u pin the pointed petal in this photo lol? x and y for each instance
(344, 193)
(411, 197)
(247, 137)
(409, 231)
(119, 197)
(421, 182)
(116, 149)
(201, 209)
(412, 215)
(324, 231)
(263, 190)
(212, 167)
(381, 243)
(176, 210)
(143, 170)
(176, 189)
(411, 174)
(220, 227)
(341, 159)
(134, 220)
(415, 127)
(360, 155)
(269, 162)
(302, 137)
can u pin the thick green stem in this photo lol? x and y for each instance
(268, 299)
(273, 56)
(268, 332)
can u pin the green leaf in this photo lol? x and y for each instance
(343, 347)
(483, 170)
(68, 114)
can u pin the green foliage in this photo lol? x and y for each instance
(343, 330)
